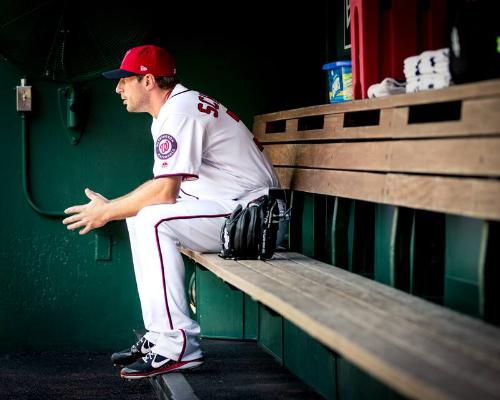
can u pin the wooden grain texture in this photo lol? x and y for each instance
(479, 156)
(404, 353)
(446, 323)
(478, 117)
(354, 185)
(416, 340)
(474, 90)
(466, 335)
(478, 198)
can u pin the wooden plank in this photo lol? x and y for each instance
(353, 185)
(378, 353)
(292, 124)
(478, 198)
(416, 339)
(259, 128)
(479, 156)
(470, 197)
(489, 88)
(331, 122)
(294, 136)
(478, 117)
(482, 332)
(465, 334)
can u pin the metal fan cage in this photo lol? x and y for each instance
(68, 41)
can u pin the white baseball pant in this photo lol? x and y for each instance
(155, 232)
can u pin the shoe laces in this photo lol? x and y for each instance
(142, 343)
(149, 356)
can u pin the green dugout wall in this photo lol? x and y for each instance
(63, 291)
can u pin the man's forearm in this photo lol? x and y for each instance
(149, 193)
(140, 187)
(99, 211)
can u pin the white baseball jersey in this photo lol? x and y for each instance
(197, 137)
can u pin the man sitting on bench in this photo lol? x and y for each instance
(206, 162)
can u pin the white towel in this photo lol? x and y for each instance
(428, 82)
(429, 56)
(428, 70)
(428, 62)
(425, 68)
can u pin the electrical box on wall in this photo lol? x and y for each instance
(23, 97)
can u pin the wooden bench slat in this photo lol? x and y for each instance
(454, 331)
(304, 311)
(479, 156)
(444, 321)
(412, 372)
(424, 343)
(440, 353)
(479, 198)
(474, 90)
(478, 117)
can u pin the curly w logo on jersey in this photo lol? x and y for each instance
(166, 145)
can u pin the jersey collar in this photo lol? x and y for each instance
(178, 89)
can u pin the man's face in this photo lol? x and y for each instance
(133, 94)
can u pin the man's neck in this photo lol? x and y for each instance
(159, 100)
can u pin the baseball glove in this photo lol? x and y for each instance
(250, 232)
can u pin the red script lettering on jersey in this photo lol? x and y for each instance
(206, 106)
(209, 105)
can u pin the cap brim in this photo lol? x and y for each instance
(117, 74)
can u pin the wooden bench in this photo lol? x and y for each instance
(436, 151)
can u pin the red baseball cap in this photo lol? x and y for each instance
(142, 60)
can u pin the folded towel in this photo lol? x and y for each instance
(428, 62)
(428, 82)
(430, 56)
(426, 68)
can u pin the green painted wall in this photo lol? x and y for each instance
(54, 293)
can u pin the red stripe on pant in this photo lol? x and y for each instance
(161, 256)
(183, 345)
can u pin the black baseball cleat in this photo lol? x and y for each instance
(154, 364)
(128, 356)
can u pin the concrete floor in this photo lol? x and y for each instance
(244, 371)
(232, 370)
(66, 376)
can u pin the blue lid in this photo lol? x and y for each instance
(343, 63)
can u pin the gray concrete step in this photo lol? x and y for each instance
(233, 370)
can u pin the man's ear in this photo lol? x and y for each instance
(150, 81)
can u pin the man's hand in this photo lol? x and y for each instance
(89, 216)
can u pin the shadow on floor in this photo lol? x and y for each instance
(66, 376)
(244, 371)
(232, 370)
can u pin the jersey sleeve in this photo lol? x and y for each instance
(178, 148)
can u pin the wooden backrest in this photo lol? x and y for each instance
(434, 150)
